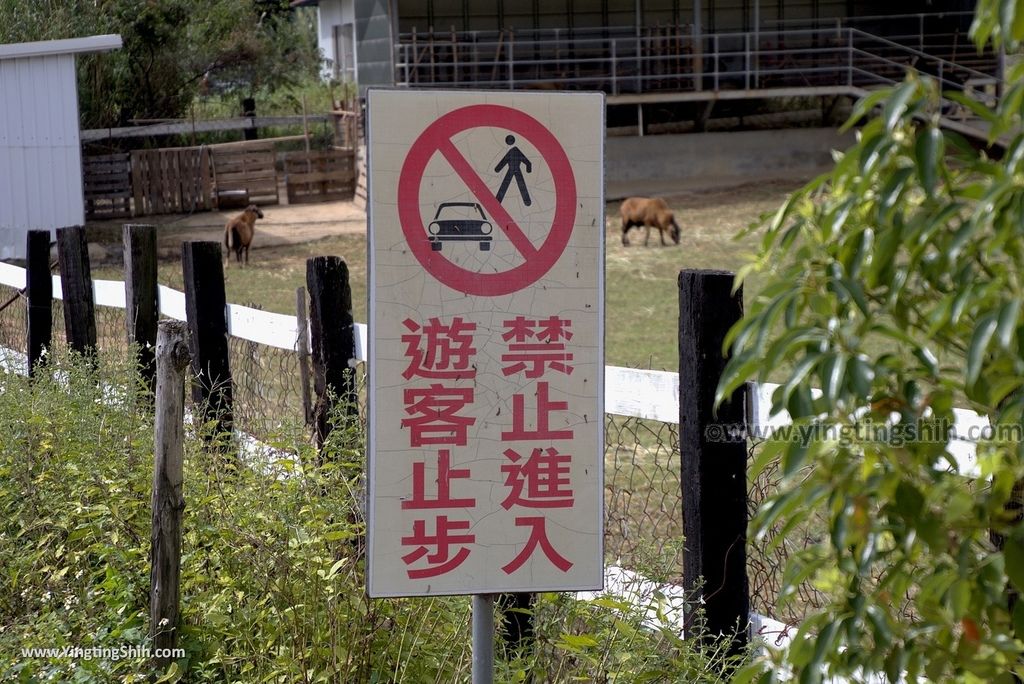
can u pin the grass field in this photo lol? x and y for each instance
(642, 479)
(641, 299)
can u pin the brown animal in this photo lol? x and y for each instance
(651, 212)
(239, 231)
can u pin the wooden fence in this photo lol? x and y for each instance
(188, 179)
(172, 181)
(720, 521)
(319, 176)
(107, 181)
(248, 175)
(713, 488)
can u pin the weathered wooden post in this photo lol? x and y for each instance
(206, 310)
(39, 287)
(302, 349)
(517, 610)
(332, 339)
(76, 284)
(172, 357)
(714, 458)
(140, 293)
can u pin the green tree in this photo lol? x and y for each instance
(894, 284)
(173, 50)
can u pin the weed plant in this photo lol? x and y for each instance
(272, 581)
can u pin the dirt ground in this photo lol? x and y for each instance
(284, 225)
(281, 225)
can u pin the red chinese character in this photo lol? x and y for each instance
(544, 409)
(554, 329)
(519, 329)
(445, 475)
(544, 475)
(446, 353)
(537, 356)
(434, 412)
(440, 559)
(538, 537)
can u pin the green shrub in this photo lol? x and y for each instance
(272, 581)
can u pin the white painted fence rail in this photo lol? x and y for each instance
(263, 327)
(629, 392)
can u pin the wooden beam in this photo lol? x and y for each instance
(332, 340)
(140, 295)
(39, 286)
(187, 127)
(76, 284)
(168, 501)
(714, 459)
(206, 306)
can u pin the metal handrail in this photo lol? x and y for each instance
(635, 63)
(872, 17)
(919, 53)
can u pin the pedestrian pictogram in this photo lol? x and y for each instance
(427, 241)
(513, 161)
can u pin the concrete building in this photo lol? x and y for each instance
(636, 47)
(40, 151)
(673, 66)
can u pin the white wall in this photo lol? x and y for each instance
(331, 13)
(40, 154)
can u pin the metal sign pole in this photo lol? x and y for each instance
(483, 638)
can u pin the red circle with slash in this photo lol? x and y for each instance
(437, 139)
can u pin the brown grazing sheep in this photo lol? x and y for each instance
(239, 231)
(649, 212)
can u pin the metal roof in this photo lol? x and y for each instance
(68, 46)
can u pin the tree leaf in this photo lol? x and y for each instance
(927, 153)
(1017, 26)
(173, 674)
(896, 105)
(862, 374)
(1008, 316)
(1013, 553)
(977, 108)
(983, 332)
(833, 370)
(864, 106)
(1007, 10)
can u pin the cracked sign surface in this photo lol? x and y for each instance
(486, 342)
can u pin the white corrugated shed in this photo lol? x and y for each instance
(40, 152)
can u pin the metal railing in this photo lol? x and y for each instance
(618, 63)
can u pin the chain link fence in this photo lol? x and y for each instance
(13, 321)
(643, 494)
(768, 554)
(268, 390)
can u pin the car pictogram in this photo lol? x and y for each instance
(460, 222)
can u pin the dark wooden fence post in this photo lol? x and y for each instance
(76, 283)
(168, 501)
(332, 339)
(39, 286)
(206, 310)
(517, 630)
(714, 466)
(140, 293)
